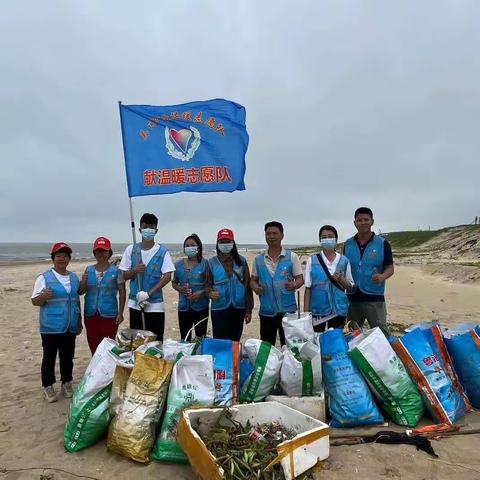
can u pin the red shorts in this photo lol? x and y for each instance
(98, 328)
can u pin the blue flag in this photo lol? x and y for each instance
(193, 147)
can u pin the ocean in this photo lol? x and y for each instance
(40, 252)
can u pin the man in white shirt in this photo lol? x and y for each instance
(148, 266)
(276, 274)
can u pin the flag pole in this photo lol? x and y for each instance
(134, 238)
(132, 218)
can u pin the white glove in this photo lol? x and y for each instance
(142, 298)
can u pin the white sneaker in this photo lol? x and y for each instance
(67, 389)
(50, 395)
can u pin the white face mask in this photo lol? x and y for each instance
(191, 252)
(148, 233)
(225, 247)
(328, 243)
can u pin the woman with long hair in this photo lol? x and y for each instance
(189, 281)
(229, 289)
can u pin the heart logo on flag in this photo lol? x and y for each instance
(181, 138)
(182, 144)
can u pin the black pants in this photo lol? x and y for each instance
(187, 319)
(154, 322)
(335, 322)
(269, 327)
(64, 344)
(228, 323)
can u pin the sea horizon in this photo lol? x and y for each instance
(33, 252)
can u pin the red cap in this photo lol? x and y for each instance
(58, 246)
(225, 233)
(102, 243)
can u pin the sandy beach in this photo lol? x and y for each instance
(31, 430)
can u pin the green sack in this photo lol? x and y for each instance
(89, 416)
(385, 374)
(192, 383)
(266, 361)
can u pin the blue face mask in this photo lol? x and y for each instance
(148, 233)
(190, 252)
(328, 243)
(225, 247)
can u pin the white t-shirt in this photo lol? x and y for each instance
(40, 283)
(147, 255)
(332, 266)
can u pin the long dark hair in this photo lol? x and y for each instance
(197, 240)
(234, 253)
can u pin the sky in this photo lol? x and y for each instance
(349, 103)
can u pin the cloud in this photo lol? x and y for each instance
(348, 104)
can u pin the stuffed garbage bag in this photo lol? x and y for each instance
(192, 383)
(301, 375)
(463, 343)
(298, 330)
(351, 403)
(226, 368)
(266, 361)
(89, 415)
(443, 401)
(384, 372)
(433, 333)
(133, 430)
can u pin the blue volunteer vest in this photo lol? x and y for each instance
(363, 268)
(326, 298)
(231, 289)
(196, 278)
(62, 312)
(102, 297)
(275, 297)
(151, 276)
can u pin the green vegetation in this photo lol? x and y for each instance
(412, 239)
(306, 250)
(401, 240)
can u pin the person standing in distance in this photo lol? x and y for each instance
(276, 274)
(371, 261)
(148, 266)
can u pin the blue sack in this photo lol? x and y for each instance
(422, 361)
(434, 334)
(351, 403)
(465, 351)
(226, 368)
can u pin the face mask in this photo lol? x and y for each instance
(225, 247)
(190, 252)
(148, 233)
(328, 243)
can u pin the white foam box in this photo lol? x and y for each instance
(312, 406)
(310, 445)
